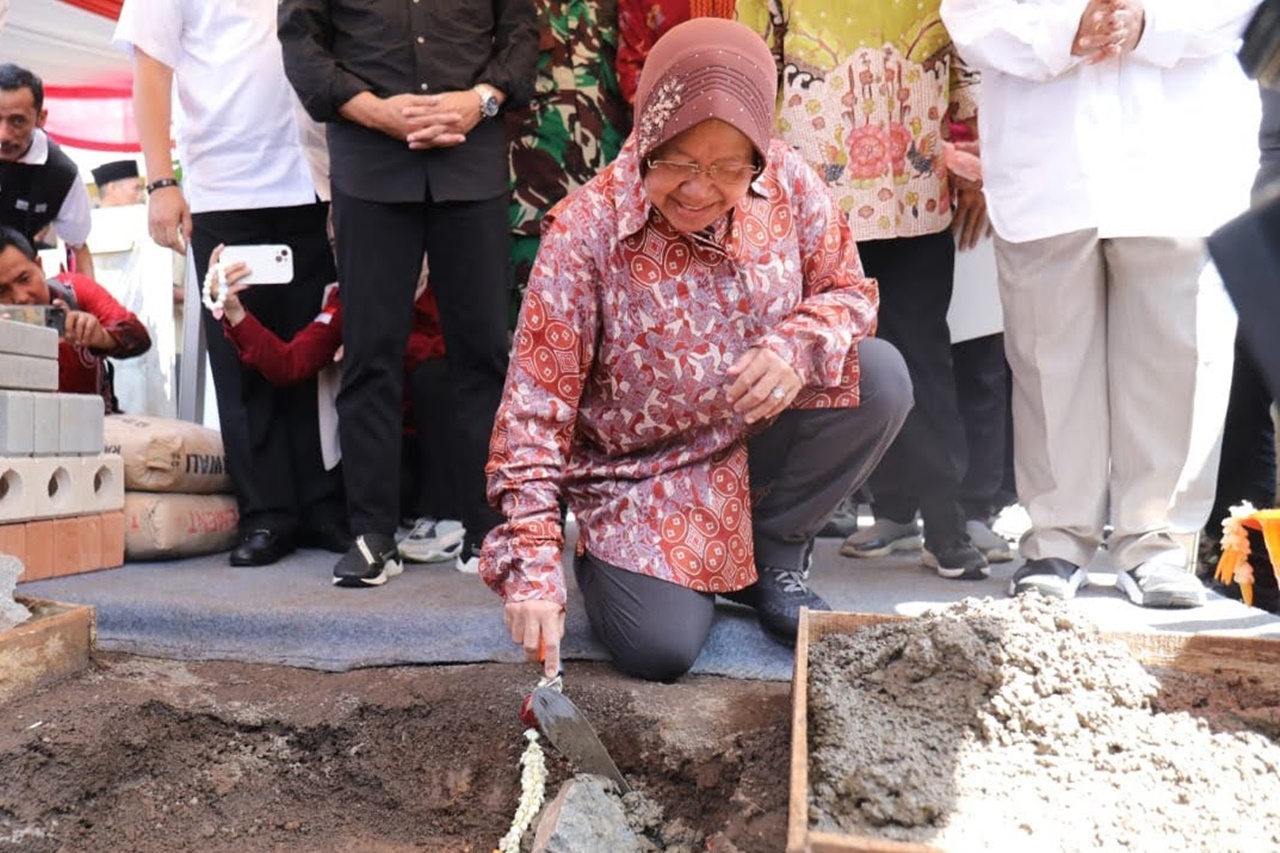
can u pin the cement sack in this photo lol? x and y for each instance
(160, 526)
(167, 455)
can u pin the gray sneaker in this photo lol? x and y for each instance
(1053, 577)
(432, 541)
(1156, 584)
(882, 539)
(995, 548)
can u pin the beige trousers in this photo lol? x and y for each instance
(1101, 340)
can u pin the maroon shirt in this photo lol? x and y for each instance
(81, 370)
(313, 348)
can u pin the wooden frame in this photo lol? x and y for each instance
(54, 643)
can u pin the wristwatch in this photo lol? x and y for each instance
(488, 101)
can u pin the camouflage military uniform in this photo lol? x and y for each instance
(575, 123)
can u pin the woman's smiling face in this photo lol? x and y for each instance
(691, 201)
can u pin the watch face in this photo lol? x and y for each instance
(489, 106)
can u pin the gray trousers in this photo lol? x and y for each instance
(802, 467)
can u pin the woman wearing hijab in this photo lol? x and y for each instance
(692, 374)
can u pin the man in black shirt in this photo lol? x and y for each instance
(411, 92)
(39, 184)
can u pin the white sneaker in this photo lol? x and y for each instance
(1156, 584)
(468, 561)
(432, 541)
(994, 548)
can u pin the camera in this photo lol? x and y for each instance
(56, 318)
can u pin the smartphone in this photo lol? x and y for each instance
(268, 263)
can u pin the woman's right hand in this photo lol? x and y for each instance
(538, 625)
(232, 308)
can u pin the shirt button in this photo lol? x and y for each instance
(422, 86)
(421, 40)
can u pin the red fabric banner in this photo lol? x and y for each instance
(105, 8)
(96, 118)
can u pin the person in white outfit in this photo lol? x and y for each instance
(1116, 137)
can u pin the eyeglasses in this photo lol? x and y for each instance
(719, 173)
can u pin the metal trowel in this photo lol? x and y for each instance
(567, 729)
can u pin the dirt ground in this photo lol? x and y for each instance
(139, 755)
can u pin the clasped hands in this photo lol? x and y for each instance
(1108, 28)
(431, 121)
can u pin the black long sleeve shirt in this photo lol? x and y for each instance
(336, 49)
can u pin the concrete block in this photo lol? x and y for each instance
(37, 487)
(80, 424)
(26, 373)
(17, 423)
(112, 539)
(46, 413)
(39, 562)
(20, 484)
(77, 545)
(27, 339)
(104, 475)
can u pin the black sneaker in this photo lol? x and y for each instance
(372, 559)
(956, 560)
(777, 598)
(1050, 576)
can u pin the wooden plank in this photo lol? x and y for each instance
(1213, 655)
(54, 643)
(798, 808)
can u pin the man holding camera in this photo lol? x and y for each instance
(94, 325)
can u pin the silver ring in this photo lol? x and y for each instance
(778, 393)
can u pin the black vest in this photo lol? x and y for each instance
(31, 195)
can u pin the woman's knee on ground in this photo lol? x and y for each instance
(657, 655)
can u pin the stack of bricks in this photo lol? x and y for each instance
(61, 497)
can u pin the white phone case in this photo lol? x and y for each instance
(268, 263)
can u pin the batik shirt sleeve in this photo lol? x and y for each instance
(554, 341)
(838, 306)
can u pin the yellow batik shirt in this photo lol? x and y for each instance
(865, 90)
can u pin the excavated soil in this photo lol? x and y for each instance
(149, 756)
(1011, 725)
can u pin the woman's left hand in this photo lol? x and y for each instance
(763, 385)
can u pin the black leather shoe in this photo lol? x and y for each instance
(260, 548)
(332, 537)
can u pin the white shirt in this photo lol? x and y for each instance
(74, 218)
(1160, 142)
(238, 141)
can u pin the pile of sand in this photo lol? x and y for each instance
(1011, 725)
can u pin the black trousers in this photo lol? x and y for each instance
(434, 428)
(380, 248)
(982, 392)
(923, 468)
(271, 435)
(802, 466)
(1247, 470)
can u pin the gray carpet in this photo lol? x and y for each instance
(290, 613)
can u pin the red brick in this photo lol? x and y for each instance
(40, 537)
(112, 539)
(13, 541)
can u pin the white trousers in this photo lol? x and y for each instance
(1104, 339)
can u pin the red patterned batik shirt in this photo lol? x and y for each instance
(617, 395)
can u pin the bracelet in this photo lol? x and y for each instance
(215, 280)
(161, 183)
